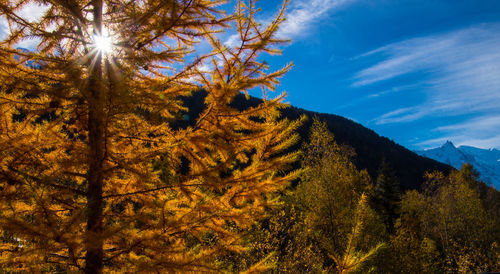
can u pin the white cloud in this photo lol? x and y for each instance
(303, 14)
(404, 57)
(460, 72)
(490, 142)
(433, 143)
(233, 40)
(476, 124)
(461, 140)
(400, 115)
(409, 114)
(458, 75)
(481, 131)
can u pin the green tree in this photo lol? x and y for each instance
(94, 175)
(386, 195)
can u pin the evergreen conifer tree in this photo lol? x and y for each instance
(386, 194)
(94, 177)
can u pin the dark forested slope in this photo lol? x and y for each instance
(369, 146)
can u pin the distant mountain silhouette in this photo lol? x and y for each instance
(369, 146)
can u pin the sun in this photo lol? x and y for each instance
(103, 42)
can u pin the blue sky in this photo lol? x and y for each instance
(419, 72)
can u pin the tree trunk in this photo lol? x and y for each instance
(96, 131)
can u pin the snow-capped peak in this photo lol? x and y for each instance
(448, 144)
(486, 161)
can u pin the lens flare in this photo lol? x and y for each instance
(103, 43)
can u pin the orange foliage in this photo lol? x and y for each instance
(93, 174)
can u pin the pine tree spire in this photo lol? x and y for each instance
(386, 194)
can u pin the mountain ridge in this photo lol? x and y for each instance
(485, 161)
(371, 148)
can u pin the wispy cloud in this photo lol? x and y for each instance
(409, 114)
(432, 143)
(302, 15)
(482, 131)
(489, 123)
(301, 18)
(377, 94)
(233, 40)
(460, 69)
(458, 74)
(459, 140)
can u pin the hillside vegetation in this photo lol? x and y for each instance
(125, 147)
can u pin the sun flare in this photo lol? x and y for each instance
(103, 43)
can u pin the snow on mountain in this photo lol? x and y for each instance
(485, 161)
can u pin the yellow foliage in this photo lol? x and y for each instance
(446, 229)
(95, 174)
(332, 196)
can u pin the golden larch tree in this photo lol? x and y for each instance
(94, 174)
(336, 213)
